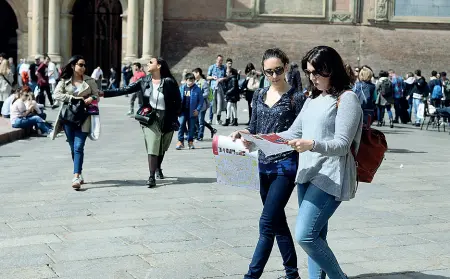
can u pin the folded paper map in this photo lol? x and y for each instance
(235, 165)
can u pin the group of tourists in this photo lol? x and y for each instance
(321, 134)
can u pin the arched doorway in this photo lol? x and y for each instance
(8, 30)
(97, 33)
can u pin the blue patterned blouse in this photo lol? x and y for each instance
(275, 119)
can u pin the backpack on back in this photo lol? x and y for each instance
(370, 154)
(386, 89)
(437, 92)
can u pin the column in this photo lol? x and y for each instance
(132, 30)
(148, 33)
(37, 28)
(53, 30)
(65, 31)
(159, 18)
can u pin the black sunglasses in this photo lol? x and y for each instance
(278, 71)
(81, 65)
(315, 73)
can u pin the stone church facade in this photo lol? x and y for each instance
(400, 34)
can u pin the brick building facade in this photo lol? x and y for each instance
(363, 31)
(400, 34)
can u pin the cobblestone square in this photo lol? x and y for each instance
(398, 227)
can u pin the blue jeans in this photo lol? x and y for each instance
(275, 191)
(211, 112)
(382, 109)
(416, 103)
(76, 139)
(190, 121)
(32, 85)
(315, 209)
(27, 122)
(201, 124)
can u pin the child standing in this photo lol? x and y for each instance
(192, 103)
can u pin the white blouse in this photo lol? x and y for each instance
(156, 97)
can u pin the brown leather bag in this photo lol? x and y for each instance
(370, 154)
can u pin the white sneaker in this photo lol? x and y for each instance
(76, 183)
(81, 179)
(48, 134)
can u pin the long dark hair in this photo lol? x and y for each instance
(328, 63)
(200, 72)
(164, 71)
(250, 67)
(67, 70)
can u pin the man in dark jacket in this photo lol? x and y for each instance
(231, 91)
(293, 77)
(419, 91)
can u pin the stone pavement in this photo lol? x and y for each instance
(190, 226)
(10, 134)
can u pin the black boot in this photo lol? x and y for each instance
(218, 120)
(235, 122)
(213, 132)
(391, 123)
(151, 182)
(159, 174)
(227, 122)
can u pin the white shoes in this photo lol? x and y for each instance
(77, 182)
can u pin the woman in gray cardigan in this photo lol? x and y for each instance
(329, 125)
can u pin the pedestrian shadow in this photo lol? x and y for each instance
(400, 275)
(386, 132)
(112, 183)
(404, 151)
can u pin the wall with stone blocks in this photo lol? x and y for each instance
(194, 35)
(189, 44)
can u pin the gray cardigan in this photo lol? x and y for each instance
(331, 166)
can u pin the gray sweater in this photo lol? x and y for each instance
(331, 166)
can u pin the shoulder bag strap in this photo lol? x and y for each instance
(7, 81)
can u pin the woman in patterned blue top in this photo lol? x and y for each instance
(274, 110)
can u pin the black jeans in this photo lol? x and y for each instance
(41, 96)
(275, 191)
(249, 98)
(437, 103)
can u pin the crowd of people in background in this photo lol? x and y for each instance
(404, 99)
(412, 97)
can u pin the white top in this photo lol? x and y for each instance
(6, 109)
(156, 97)
(34, 104)
(17, 110)
(52, 73)
(25, 67)
(97, 73)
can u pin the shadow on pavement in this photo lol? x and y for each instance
(404, 151)
(141, 183)
(393, 132)
(400, 275)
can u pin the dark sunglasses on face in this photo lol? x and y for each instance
(81, 65)
(314, 73)
(278, 71)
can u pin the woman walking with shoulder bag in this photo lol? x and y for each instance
(75, 88)
(325, 133)
(6, 81)
(159, 93)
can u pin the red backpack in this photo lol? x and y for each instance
(370, 154)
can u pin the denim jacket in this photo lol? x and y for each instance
(196, 99)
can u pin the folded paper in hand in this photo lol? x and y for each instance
(235, 165)
(270, 144)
